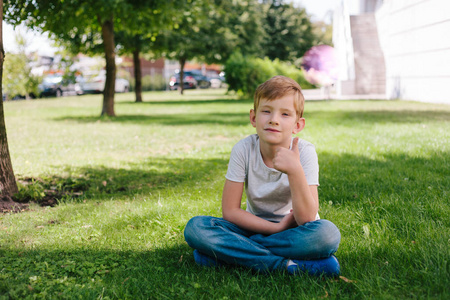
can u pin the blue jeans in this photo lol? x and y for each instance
(231, 244)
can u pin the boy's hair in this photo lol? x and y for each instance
(277, 87)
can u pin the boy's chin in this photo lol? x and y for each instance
(272, 141)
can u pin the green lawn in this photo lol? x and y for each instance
(132, 183)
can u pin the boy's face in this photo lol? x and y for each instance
(275, 121)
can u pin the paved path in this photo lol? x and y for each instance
(320, 94)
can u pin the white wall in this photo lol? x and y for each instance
(415, 38)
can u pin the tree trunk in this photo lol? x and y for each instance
(8, 185)
(182, 63)
(137, 75)
(110, 57)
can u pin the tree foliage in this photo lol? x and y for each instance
(17, 77)
(206, 30)
(289, 31)
(89, 26)
(183, 41)
(211, 30)
(323, 32)
(140, 36)
(78, 23)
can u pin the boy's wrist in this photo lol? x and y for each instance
(295, 169)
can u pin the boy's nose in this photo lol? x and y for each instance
(273, 121)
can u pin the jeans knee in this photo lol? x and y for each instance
(330, 235)
(193, 229)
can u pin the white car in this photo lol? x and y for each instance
(95, 83)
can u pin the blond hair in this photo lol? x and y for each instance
(278, 87)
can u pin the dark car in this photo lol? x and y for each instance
(192, 79)
(217, 80)
(56, 85)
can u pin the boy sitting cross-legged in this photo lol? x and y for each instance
(281, 228)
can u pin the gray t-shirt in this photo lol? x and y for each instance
(267, 189)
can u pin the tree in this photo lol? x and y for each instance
(289, 31)
(323, 32)
(211, 30)
(183, 41)
(82, 24)
(8, 185)
(139, 36)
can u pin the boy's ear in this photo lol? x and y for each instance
(253, 117)
(299, 126)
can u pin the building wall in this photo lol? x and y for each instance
(148, 67)
(415, 39)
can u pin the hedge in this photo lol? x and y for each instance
(244, 73)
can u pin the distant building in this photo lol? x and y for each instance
(395, 48)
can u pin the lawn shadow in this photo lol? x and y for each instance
(398, 188)
(363, 116)
(392, 212)
(188, 102)
(87, 274)
(233, 119)
(390, 174)
(78, 184)
(163, 273)
(396, 185)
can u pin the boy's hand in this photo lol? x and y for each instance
(287, 222)
(287, 160)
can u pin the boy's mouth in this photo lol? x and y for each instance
(271, 130)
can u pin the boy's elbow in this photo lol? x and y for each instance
(228, 214)
(301, 220)
(228, 217)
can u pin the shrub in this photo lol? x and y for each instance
(32, 191)
(244, 73)
(154, 82)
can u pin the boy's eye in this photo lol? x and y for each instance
(266, 111)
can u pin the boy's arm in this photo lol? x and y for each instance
(305, 199)
(232, 212)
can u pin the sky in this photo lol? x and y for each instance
(318, 9)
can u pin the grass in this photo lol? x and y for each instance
(384, 174)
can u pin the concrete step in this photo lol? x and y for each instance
(370, 71)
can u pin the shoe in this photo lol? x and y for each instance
(205, 260)
(327, 266)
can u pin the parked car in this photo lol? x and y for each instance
(18, 97)
(95, 83)
(192, 79)
(56, 85)
(217, 80)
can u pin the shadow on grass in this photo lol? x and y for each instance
(378, 116)
(406, 193)
(169, 273)
(392, 212)
(394, 185)
(154, 174)
(189, 102)
(348, 116)
(233, 119)
(88, 274)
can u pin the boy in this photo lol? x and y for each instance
(281, 229)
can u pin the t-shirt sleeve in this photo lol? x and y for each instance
(310, 163)
(237, 164)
